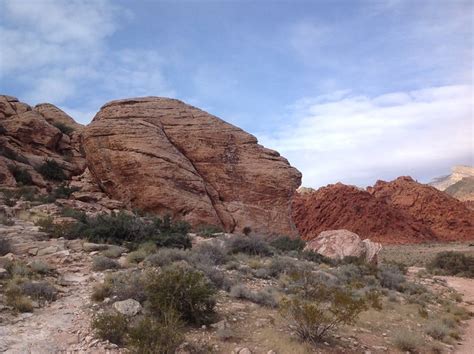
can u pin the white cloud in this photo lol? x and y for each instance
(58, 50)
(359, 139)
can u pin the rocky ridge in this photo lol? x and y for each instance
(29, 136)
(340, 206)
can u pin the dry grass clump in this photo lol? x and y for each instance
(100, 263)
(408, 341)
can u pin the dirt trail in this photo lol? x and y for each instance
(62, 325)
(465, 286)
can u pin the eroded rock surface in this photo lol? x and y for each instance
(161, 155)
(450, 219)
(339, 206)
(31, 135)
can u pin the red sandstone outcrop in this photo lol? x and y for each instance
(30, 136)
(339, 206)
(161, 155)
(450, 219)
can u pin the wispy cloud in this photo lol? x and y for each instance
(352, 138)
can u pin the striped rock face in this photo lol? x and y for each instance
(163, 156)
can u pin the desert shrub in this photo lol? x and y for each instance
(143, 251)
(391, 277)
(5, 246)
(437, 330)
(15, 299)
(265, 297)
(166, 256)
(64, 128)
(119, 228)
(407, 341)
(18, 269)
(55, 230)
(208, 231)
(157, 335)
(247, 230)
(100, 263)
(280, 265)
(374, 299)
(21, 175)
(316, 257)
(452, 263)
(40, 267)
(211, 253)
(184, 290)
(64, 191)
(110, 326)
(4, 220)
(39, 290)
(286, 244)
(113, 251)
(313, 317)
(52, 170)
(218, 278)
(12, 155)
(254, 246)
(121, 286)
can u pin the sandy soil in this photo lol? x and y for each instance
(465, 286)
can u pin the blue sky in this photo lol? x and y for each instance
(347, 90)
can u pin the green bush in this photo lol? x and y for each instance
(64, 191)
(452, 263)
(64, 128)
(251, 245)
(184, 290)
(100, 263)
(111, 326)
(15, 299)
(157, 335)
(286, 244)
(41, 267)
(52, 170)
(21, 175)
(314, 316)
(209, 252)
(48, 226)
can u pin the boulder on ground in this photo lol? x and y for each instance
(337, 244)
(163, 156)
(129, 307)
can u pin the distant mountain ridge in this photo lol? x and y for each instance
(457, 174)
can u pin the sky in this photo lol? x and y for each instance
(348, 91)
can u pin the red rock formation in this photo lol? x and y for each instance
(164, 156)
(449, 218)
(339, 206)
(29, 136)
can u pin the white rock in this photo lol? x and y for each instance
(129, 307)
(337, 244)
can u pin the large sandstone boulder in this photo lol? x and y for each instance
(163, 156)
(337, 244)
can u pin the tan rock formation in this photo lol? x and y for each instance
(337, 244)
(164, 156)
